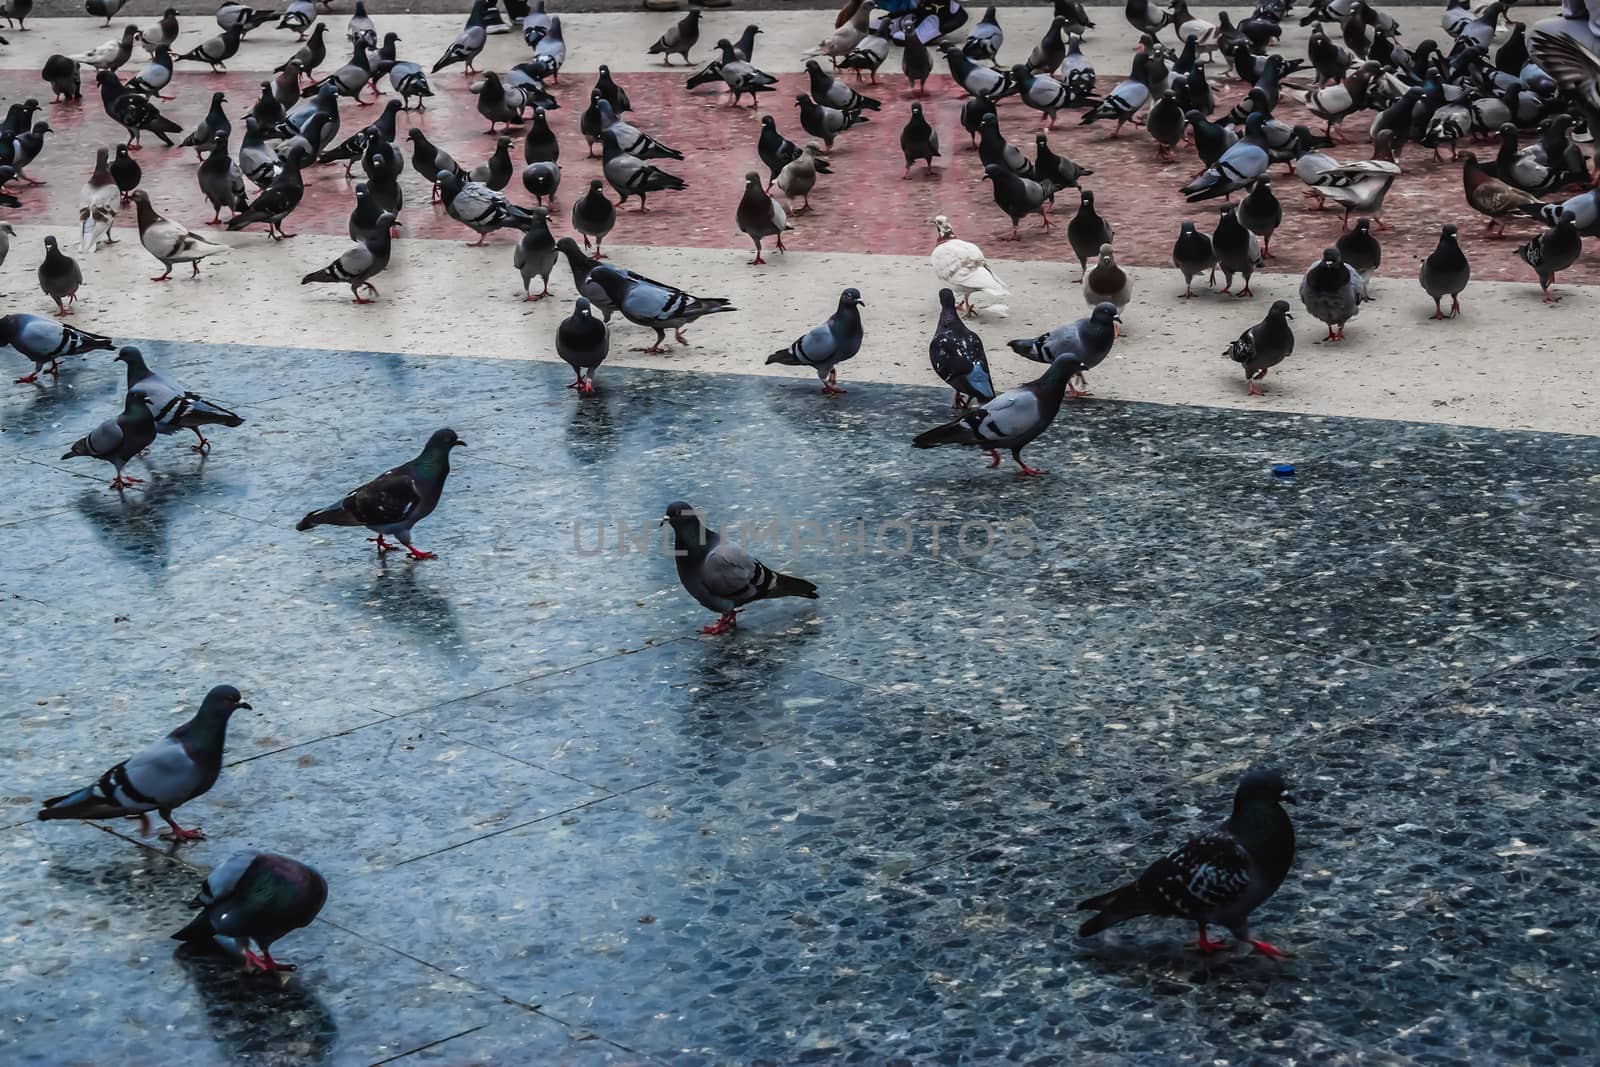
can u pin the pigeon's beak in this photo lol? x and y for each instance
(458, 443)
(244, 705)
(1288, 315)
(664, 521)
(860, 303)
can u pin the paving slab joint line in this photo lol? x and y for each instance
(526, 762)
(424, 1048)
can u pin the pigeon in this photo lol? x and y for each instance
(1331, 291)
(1084, 343)
(495, 172)
(97, 204)
(429, 159)
(540, 145)
(824, 347)
(631, 176)
(1445, 272)
(1087, 231)
(1041, 92)
(799, 176)
(46, 342)
(1125, 100)
(1263, 346)
(169, 241)
(1011, 420)
(298, 17)
(6, 234)
(849, 33)
(632, 140)
(550, 50)
(256, 896)
(109, 55)
(478, 207)
(870, 53)
(543, 179)
(825, 122)
(918, 141)
(535, 254)
(1059, 171)
(974, 110)
(234, 16)
(1575, 68)
(759, 215)
(215, 51)
(221, 181)
(961, 265)
(593, 215)
(1106, 282)
(173, 407)
(134, 112)
(411, 82)
(256, 161)
(1217, 878)
(1239, 166)
(682, 36)
(645, 302)
(1490, 196)
(62, 74)
(581, 266)
(1146, 16)
(1017, 196)
(168, 774)
(994, 149)
(1260, 213)
(1165, 122)
(1362, 251)
(396, 500)
(59, 277)
(957, 355)
(1359, 187)
(359, 264)
(16, 13)
(104, 8)
(1047, 55)
(984, 40)
(1552, 252)
(740, 77)
(468, 43)
(721, 575)
(156, 75)
(1193, 256)
(974, 78)
(916, 63)
(1237, 251)
(118, 440)
(126, 172)
(830, 91)
(582, 341)
(215, 121)
(277, 201)
(612, 93)
(360, 24)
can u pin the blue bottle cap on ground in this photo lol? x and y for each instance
(1283, 470)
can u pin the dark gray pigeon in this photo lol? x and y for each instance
(957, 355)
(360, 263)
(1331, 291)
(1018, 196)
(1217, 878)
(1263, 346)
(1192, 255)
(1445, 273)
(255, 896)
(593, 215)
(583, 342)
(719, 574)
(535, 255)
(652, 304)
(1237, 251)
(918, 141)
(1087, 231)
(1553, 251)
(679, 38)
(173, 407)
(824, 347)
(1362, 250)
(478, 207)
(168, 774)
(118, 440)
(59, 277)
(396, 500)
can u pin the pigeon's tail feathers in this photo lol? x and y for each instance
(953, 433)
(1120, 904)
(80, 447)
(1240, 351)
(212, 414)
(324, 275)
(788, 585)
(785, 356)
(86, 803)
(199, 929)
(334, 516)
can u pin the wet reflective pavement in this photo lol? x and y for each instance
(561, 827)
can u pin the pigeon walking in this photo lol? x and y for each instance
(957, 355)
(594, 215)
(631, 176)
(1362, 250)
(535, 255)
(118, 440)
(679, 38)
(59, 277)
(170, 242)
(652, 304)
(468, 43)
(760, 216)
(1193, 256)
(918, 141)
(1445, 272)
(1107, 283)
(47, 342)
(1083, 344)
(1017, 197)
(1263, 346)
(719, 574)
(824, 347)
(963, 267)
(1088, 231)
(582, 342)
(172, 406)
(168, 774)
(478, 207)
(360, 263)
(256, 896)
(97, 204)
(396, 500)
(1552, 252)
(1331, 291)
(1011, 420)
(1217, 878)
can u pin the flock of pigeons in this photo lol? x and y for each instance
(1429, 94)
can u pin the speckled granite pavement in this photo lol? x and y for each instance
(562, 828)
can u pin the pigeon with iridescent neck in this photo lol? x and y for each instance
(255, 896)
(396, 500)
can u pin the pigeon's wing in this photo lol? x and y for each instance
(816, 346)
(105, 439)
(1206, 873)
(1008, 415)
(389, 498)
(729, 571)
(164, 774)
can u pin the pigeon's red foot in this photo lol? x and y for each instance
(1245, 291)
(1076, 394)
(1026, 471)
(729, 621)
(1256, 390)
(677, 335)
(994, 457)
(1271, 951)
(179, 834)
(383, 546)
(654, 349)
(26, 379)
(758, 261)
(417, 553)
(1205, 944)
(264, 963)
(122, 481)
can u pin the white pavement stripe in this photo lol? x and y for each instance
(1521, 367)
(620, 40)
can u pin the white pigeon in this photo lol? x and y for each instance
(170, 242)
(97, 205)
(961, 266)
(844, 40)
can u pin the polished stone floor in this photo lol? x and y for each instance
(560, 827)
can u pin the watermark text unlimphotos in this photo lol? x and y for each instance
(899, 535)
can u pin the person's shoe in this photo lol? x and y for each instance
(493, 23)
